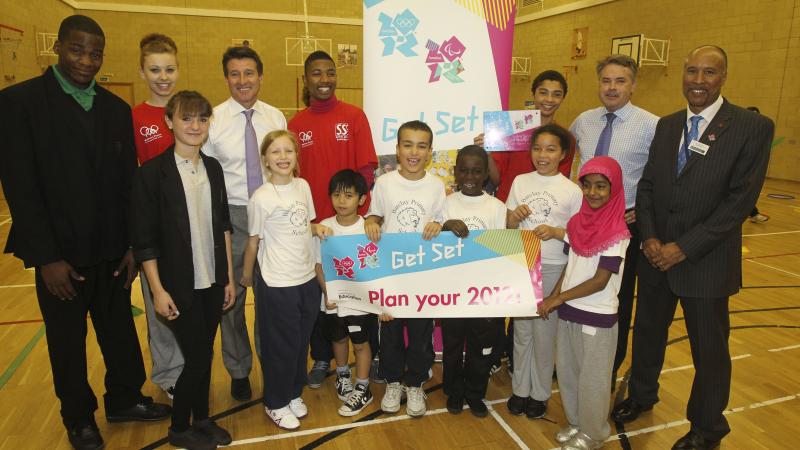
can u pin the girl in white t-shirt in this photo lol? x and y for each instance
(586, 298)
(287, 297)
(466, 368)
(542, 201)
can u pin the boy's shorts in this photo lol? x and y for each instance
(336, 328)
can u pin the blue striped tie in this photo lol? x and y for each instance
(683, 156)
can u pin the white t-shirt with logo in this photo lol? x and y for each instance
(407, 205)
(339, 230)
(482, 212)
(553, 200)
(580, 268)
(280, 215)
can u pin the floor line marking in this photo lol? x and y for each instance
(343, 426)
(727, 412)
(511, 433)
(774, 268)
(9, 286)
(5, 221)
(9, 372)
(770, 234)
(780, 349)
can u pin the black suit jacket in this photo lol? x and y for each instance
(703, 208)
(161, 224)
(68, 190)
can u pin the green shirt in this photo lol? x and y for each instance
(84, 97)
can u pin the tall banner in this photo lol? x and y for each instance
(444, 62)
(494, 273)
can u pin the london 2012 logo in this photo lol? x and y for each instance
(443, 60)
(397, 33)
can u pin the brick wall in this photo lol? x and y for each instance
(762, 38)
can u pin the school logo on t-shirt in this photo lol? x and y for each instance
(541, 204)
(475, 223)
(409, 215)
(342, 130)
(150, 133)
(298, 218)
(306, 138)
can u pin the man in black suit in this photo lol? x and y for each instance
(66, 172)
(703, 176)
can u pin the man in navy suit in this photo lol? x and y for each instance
(706, 167)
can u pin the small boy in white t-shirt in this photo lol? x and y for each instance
(403, 201)
(348, 191)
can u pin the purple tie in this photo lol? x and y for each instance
(253, 162)
(605, 136)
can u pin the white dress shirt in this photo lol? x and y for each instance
(632, 132)
(226, 142)
(707, 116)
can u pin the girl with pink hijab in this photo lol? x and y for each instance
(586, 300)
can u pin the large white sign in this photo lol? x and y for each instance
(444, 62)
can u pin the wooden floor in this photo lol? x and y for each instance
(764, 405)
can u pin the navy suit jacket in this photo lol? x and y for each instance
(703, 208)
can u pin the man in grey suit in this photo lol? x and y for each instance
(705, 170)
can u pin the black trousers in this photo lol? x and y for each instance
(708, 326)
(195, 330)
(467, 376)
(322, 349)
(409, 365)
(626, 297)
(286, 316)
(109, 304)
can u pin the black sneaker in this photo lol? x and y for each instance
(455, 404)
(536, 409)
(240, 389)
(85, 437)
(477, 407)
(357, 401)
(517, 405)
(344, 386)
(216, 432)
(191, 439)
(170, 391)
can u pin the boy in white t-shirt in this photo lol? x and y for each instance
(403, 201)
(468, 342)
(348, 191)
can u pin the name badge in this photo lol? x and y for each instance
(699, 147)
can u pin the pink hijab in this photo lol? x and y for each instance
(592, 231)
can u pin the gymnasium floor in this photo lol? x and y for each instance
(763, 411)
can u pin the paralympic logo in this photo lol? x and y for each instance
(445, 60)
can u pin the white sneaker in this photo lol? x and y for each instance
(298, 408)
(415, 406)
(283, 418)
(565, 434)
(392, 397)
(581, 442)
